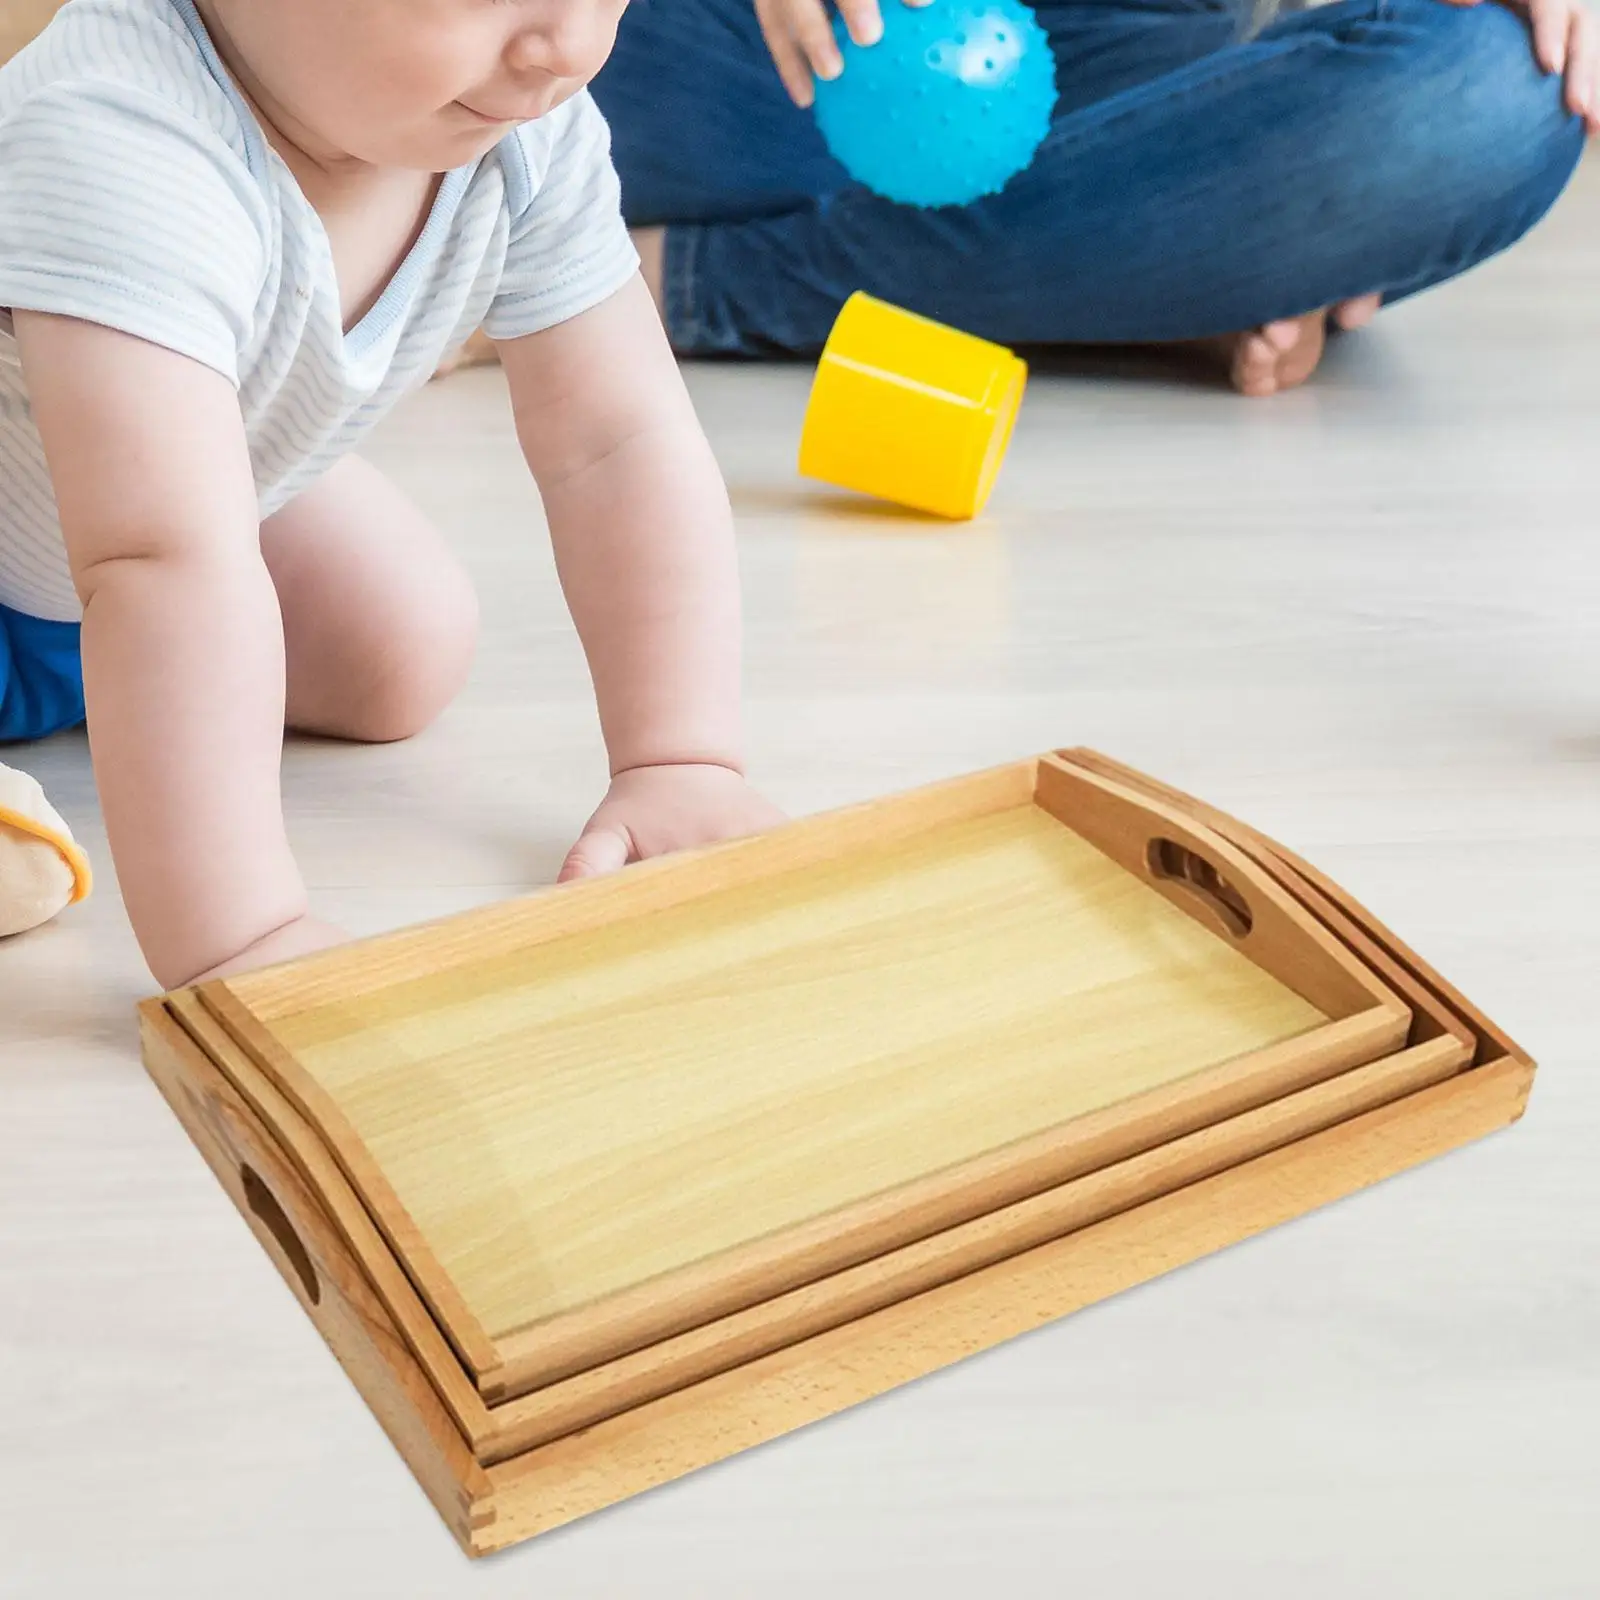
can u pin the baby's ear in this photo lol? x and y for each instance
(42, 870)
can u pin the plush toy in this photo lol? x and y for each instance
(949, 105)
(42, 871)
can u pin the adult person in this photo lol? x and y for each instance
(1205, 178)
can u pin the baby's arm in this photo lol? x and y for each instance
(644, 545)
(182, 644)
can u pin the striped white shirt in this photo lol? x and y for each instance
(137, 191)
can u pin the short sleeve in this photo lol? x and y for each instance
(568, 248)
(121, 209)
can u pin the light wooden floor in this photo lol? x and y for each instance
(1366, 617)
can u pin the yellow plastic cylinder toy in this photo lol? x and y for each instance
(909, 410)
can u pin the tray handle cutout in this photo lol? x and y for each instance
(264, 1204)
(1189, 871)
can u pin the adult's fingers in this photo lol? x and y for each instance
(781, 21)
(794, 70)
(801, 42)
(863, 19)
(1583, 66)
(1551, 21)
(814, 34)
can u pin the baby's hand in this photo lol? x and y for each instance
(799, 33)
(652, 810)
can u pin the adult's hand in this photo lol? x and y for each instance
(1566, 39)
(799, 33)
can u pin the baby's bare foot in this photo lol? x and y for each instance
(1280, 355)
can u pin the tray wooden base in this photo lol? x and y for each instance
(488, 1509)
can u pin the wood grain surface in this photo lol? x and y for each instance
(572, 1122)
(495, 1433)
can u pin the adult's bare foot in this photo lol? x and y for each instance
(1280, 355)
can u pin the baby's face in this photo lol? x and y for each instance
(429, 84)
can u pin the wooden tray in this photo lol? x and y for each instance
(1439, 1046)
(487, 1465)
(499, 1432)
(610, 1122)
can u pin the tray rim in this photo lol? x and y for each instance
(553, 911)
(450, 1312)
(1301, 875)
(1435, 1004)
(353, 1318)
(295, 1138)
(557, 1347)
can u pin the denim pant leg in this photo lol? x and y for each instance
(701, 128)
(703, 131)
(1371, 145)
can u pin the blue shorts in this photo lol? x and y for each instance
(41, 676)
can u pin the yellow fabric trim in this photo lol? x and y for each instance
(82, 877)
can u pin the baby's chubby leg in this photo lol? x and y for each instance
(379, 618)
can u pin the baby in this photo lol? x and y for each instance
(233, 233)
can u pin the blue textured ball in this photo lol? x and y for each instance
(949, 105)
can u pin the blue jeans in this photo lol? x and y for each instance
(1194, 181)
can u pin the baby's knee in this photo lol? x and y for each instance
(427, 656)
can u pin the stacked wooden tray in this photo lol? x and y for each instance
(589, 1190)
